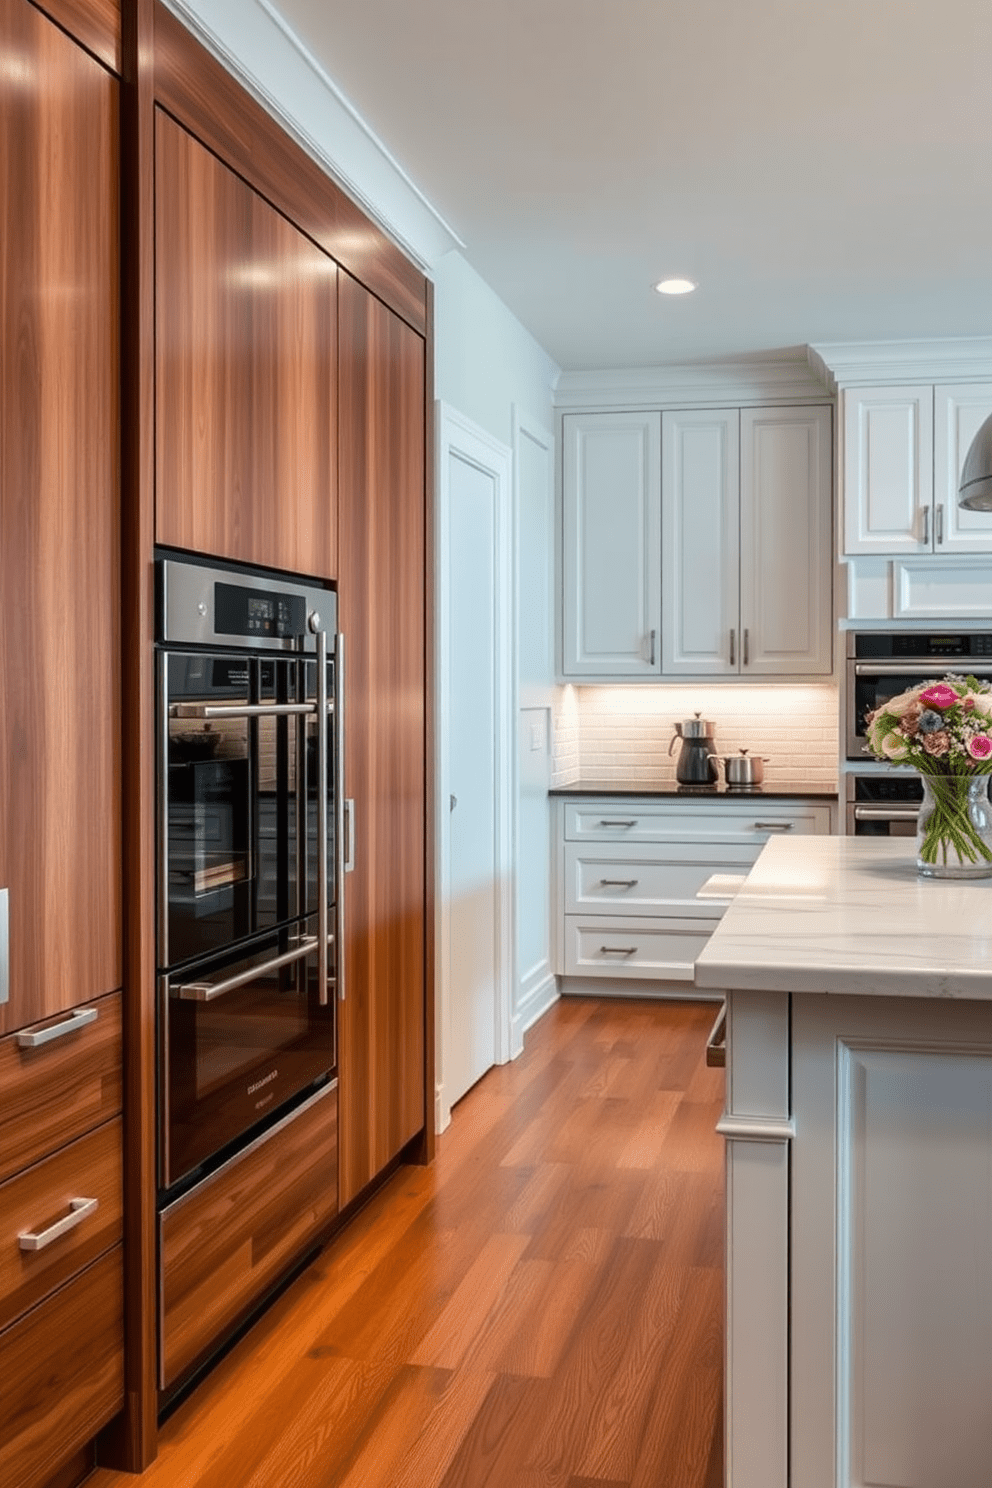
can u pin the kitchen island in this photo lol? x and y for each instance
(858, 1122)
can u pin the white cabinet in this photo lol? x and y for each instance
(903, 451)
(611, 545)
(629, 875)
(746, 514)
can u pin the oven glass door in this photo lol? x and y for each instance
(240, 1037)
(870, 684)
(239, 816)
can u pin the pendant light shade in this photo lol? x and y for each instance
(975, 490)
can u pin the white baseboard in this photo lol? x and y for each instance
(442, 1111)
(534, 1003)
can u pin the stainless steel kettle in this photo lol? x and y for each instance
(696, 764)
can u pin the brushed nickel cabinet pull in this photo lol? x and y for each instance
(940, 522)
(654, 634)
(747, 647)
(926, 526)
(776, 826)
(79, 1209)
(33, 1038)
(618, 950)
(631, 823)
(733, 646)
(618, 883)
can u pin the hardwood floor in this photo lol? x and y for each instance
(541, 1308)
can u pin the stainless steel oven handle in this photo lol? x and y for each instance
(210, 991)
(344, 855)
(909, 668)
(885, 813)
(317, 627)
(240, 710)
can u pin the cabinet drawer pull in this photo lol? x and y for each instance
(618, 950)
(618, 883)
(33, 1038)
(747, 646)
(79, 1209)
(777, 826)
(940, 522)
(618, 823)
(926, 526)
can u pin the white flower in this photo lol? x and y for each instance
(894, 746)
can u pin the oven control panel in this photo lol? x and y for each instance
(254, 612)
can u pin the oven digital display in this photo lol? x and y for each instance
(253, 612)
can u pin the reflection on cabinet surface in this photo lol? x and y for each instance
(382, 605)
(60, 822)
(245, 369)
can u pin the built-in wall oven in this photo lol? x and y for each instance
(881, 664)
(250, 716)
(883, 804)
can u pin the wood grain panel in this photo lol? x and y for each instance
(63, 1374)
(196, 90)
(229, 1239)
(245, 369)
(130, 1442)
(60, 809)
(56, 1093)
(90, 1168)
(96, 24)
(382, 603)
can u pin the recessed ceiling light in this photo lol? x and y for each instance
(675, 286)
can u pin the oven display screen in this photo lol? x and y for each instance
(240, 611)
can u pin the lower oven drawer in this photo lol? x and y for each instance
(57, 1217)
(228, 1240)
(62, 1368)
(665, 949)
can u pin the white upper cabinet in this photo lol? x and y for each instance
(958, 410)
(701, 542)
(747, 565)
(903, 451)
(786, 541)
(611, 528)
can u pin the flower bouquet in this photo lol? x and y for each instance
(944, 729)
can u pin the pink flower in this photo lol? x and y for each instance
(980, 746)
(940, 695)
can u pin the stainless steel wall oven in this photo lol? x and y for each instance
(881, 664)
(250, 715)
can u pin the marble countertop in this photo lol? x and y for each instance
(668, 786)
(851, 915)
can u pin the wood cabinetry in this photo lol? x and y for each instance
(904, 447)
(245, 343)
(61, 1202)
(60, 813)
(382, 592)
(697, 543)
(746, 511)
(611, 545)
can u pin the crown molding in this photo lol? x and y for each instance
(853, 363)
(760, 379)
(252, 42)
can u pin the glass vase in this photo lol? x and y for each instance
(954, 830)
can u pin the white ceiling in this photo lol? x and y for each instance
(824, 170)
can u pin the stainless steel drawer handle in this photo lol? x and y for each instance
(618, 950)
(776, 826)
(33, 1038)
(618, 883)
(79, 1209)
(209, 991)
(632, 823)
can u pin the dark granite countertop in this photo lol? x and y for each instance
(773, 790)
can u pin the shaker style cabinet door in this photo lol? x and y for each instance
(382, 595)
(611, 547)
(60, 806)
(701, 542)
(888, 470)
(786, 542)
(958, 411)
(245, 365)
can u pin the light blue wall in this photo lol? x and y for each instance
(484, 359)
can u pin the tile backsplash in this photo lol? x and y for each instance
(624, 732)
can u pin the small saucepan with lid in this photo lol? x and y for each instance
(743, 769)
